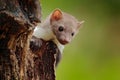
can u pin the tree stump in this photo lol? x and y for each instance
(23, 58)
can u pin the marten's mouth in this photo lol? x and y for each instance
(63, 42)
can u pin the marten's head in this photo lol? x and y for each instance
(64, 26)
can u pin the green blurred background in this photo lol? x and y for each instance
(94, 54)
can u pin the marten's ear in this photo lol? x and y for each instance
(80, 23)
(56, 15)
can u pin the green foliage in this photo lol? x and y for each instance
(94, 54)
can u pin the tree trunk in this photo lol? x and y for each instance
(23, 58)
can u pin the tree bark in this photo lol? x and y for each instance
(23, 58)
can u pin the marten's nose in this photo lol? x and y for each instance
(65, 41)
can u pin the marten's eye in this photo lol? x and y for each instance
(60, 28)
(72, 34)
